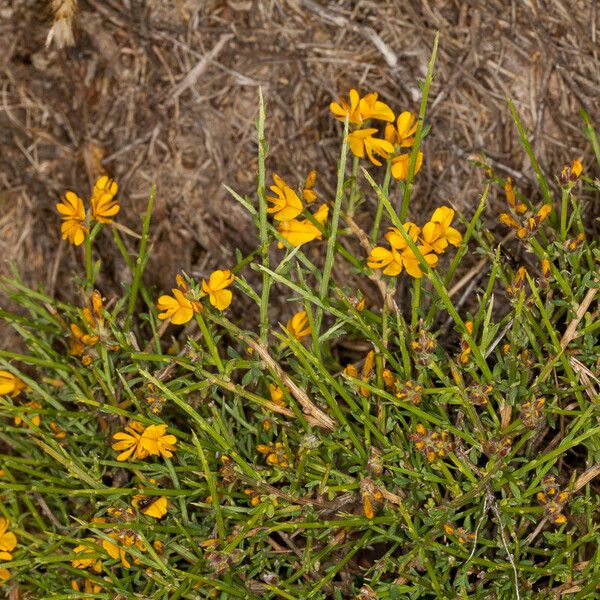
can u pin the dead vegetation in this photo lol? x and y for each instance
(166, 92)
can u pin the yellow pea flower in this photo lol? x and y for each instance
(437, 234)
(122, 540)
(8, 540)
(388, 260)
(403, 133)
(88, 587)
(361, 109)
(401, 163)
(276, 394)
(411, 262)
(218, 296)
(401, 256)
(130, 442)
(86, 563)
(362, 141)
(370, 107)
(350, 108)
(152, 506)
(511, 197)
(298, 325)
(72, 213)
(395, 238)
(286, 204)
(308, 193)
(35, 418)
(104, 206)
(155, 441)
(298, 232)
(10, 384)
(178, 307)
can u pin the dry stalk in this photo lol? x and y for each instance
(61, 31)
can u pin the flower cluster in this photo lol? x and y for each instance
(410, 391)
(553, 500)
(276, 454)
(362, 138)
(185, 301)
(103, 207)
(431, 240)
(532, 413)
(8, 541)
(462, 535)
(367, 372)
(84, 339)
(433, 444)
(139, 442)
(570, 174)
(286, 206)
(372, 498)
(521, 221)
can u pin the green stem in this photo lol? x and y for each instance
(419, 134)
(210, 343)
(329, 258)
(563, 213)
(89, 266)
(142, 258)
(353, 193)
(385, 190)
(262, 220)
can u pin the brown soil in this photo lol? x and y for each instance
(166, 93)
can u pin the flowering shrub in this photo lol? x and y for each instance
(395, 436)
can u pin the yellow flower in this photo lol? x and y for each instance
(371, 108)
(298, 232)
(178, 307)
(8, 541)
(437, 234)
(152, 506)
(286, 204)
(72, 213)
(395, 238)
(351, 109)
(360, 109)
(71, 207)
(367, 371)
(401, 163)
(401, 256)
(118, 552)
(130, 441)
(511, 197)
(571, 174)
(155, 441)
(308, 194)
(362, 141)
(104, 206)
(35, 418)
(403, 134)
(89, 587)
(276, 394)
(298, 325)
(218, 296)
(411, 262)
(388, 260)
(11, 384)
(4, 574)
(86, 563)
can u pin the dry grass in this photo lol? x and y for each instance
(168, 94)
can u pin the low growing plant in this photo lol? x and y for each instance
(423, 425)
